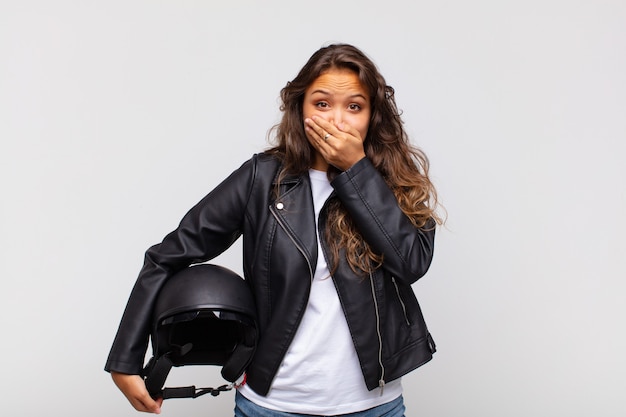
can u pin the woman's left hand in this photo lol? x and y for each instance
(340, 145)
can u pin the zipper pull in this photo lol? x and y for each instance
(381, 385)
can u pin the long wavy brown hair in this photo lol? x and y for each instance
(403, 166)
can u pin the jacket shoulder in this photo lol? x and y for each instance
(267, 159)
(266, 166)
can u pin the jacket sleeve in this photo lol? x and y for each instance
(207, 230)
(407, 251)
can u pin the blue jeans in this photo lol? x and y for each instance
(246, 408)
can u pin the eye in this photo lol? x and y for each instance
(321, 104)
(354, 107)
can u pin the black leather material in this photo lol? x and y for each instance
(279, 254)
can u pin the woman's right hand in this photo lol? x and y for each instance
(133, 387)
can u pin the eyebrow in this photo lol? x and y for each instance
(329, 94)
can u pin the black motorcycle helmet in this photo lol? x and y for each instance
(204, 315)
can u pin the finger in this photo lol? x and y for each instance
(147, 404)
(346, 128)
(325, 127)
(316, 131)
(313, 137)
(340, 130)
(317, 137)
(153, 406)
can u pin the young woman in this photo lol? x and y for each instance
(338, 220)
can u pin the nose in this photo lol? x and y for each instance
(337, 116)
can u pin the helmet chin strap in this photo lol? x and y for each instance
(157, 370)
(193, 392)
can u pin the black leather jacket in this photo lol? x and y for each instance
(280, 253)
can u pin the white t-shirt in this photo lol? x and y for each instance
(320, 373)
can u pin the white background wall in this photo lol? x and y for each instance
(117, 116)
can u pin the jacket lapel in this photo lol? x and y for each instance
(294, 209)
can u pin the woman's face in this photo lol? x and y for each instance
(338, 97)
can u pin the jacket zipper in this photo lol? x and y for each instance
(406, 317)
(293, 240)
(381, 381)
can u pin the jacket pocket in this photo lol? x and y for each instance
(401, 301)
